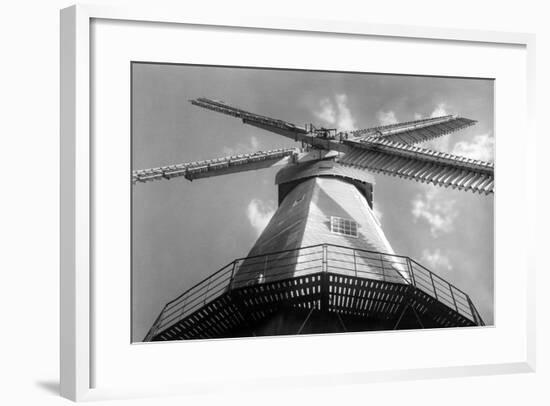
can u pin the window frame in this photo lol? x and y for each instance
(340, 223)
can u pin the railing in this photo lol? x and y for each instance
(314, 259)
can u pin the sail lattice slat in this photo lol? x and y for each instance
(380, 155)
(413, 132)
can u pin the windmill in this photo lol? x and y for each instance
(323, 263)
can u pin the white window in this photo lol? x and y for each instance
(343, 226)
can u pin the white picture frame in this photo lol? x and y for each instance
(77, 188)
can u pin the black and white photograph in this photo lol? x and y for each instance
(273, 202)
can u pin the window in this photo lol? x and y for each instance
(342, 226)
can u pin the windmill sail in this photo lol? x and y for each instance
(267, 123)
(273, 125)
(413, 132)
(214, 167)
(378, 154)
(384, 149)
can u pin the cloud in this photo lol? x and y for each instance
(336, 113)
(378, 213)
(327, 112)
(345, 120)
(386, 117)
(440, 110)
(436, 260)
(417, 116)
(253, 145)
(259, 213)
(481, 147)
(436, 209)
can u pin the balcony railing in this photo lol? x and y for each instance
(312, 260)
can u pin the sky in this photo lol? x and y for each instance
(184, 231)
